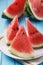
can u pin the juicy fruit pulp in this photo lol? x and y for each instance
(31, 28)
(35, 36)
(11, 30)
(36, 7)
(21, 45)
(15, 24)
(15, 8)
(10, 34)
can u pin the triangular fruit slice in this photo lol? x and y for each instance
(15, 8)
(35, 36)
(21, 45)
(14, 23)
(36, 7)
(11, 30)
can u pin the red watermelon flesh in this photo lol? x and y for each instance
(12, 29)
(31, 28)
(36, 7)
(14, 23)
(10, 34)
(37, 39)
(15, 8)
(35, 36)
(21, 44)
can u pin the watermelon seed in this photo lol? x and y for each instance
(41, 1)
(38, 10)
(17, 28)
(34, 32)
(16, 3)
(23, 33)
(14, 29)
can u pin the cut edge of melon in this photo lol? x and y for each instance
(34, 13)
(38, 46)
(7, 15)
(19, 54)
(8, 42)
(10, 16)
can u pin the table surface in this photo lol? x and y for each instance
(5, 60)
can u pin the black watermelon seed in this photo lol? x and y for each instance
(41, 1)
(23, 33)
(16, 3)
(14, 29)
(38, 10)
(17, 28)
(34, 32)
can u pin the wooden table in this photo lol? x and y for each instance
(5, 60)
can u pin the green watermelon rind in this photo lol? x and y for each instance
(38, 18)
(5, 16)
(30, 13)
(28, 10)
(8, 16)
(38, 46)
(19, 54)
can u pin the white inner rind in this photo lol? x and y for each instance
(7, 14)
(39, 18)
(21, 54)
(11, 16)
(8, 42)
(38, 45)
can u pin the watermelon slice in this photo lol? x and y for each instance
(11, 30)
(35, 36)
(21, 45)
(15, 24)
(36, 7)
(15, 8)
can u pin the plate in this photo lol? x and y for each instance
(4, 48)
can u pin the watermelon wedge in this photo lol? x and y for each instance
(15, 8)
(35, 36)
(21, 45)
(14, 23)
(36, 7)
(11, 30)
